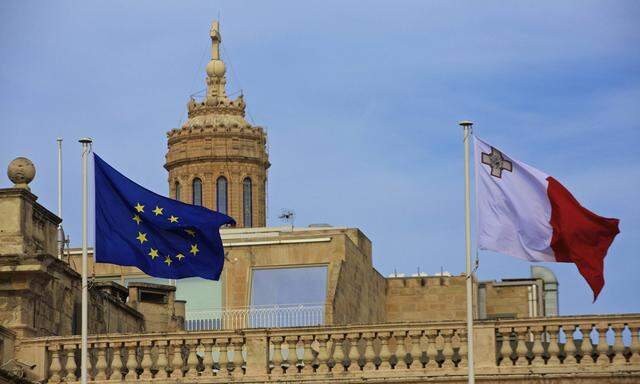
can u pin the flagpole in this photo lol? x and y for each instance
(466, 126)
(60, 231)
(86, 142)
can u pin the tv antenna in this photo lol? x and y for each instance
(288, 216)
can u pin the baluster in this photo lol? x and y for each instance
(414, 349)
(338, 352)
(307, 354)
(146, 362)
(432, 352)
(292, 354)
(522, 334)
(70, 366)
(384, 354)
(505, 348)
(163, 362)
(277, 356)
(618, 344)
(176, 362)
(570, 349)
(447, 349)
(369, 352)
(132, 362)
(116, 362)
(323, 355)
(192, 359)
(101, 361)
(602, 349)
(401, 351)
(463, 353)
(634, 346)
(554, 346)
(56, 367)
(207, 360)
(586, 348)
(223, 359)
(237, 361)
(354, 353)
(537, 350)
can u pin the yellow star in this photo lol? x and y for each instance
(173, 219)
(194, 249)
(139, 207)
(142, 237)
(153, 253)
(191, 232)
(168, 261)
(158, 210)
(180, 256)
(137, 219)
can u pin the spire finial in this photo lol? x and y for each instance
(215, 68)
(215, 40)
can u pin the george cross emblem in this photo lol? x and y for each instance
(497, 162)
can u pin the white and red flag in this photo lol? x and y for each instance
(525, 213)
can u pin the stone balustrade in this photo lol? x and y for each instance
(576, 347)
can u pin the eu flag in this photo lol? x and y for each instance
(161, 236)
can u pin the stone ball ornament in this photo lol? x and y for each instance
(21, 172)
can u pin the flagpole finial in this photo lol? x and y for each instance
(466, 123)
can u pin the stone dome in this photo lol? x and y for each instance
(216, 68)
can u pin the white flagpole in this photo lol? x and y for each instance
(466, 126)
(60, 231)
(86, 142)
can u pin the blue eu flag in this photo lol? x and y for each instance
(162, 237)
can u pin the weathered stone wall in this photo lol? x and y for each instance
(163, 315)
(508, 300)
(26, 226)
(109, 315)
(426, 298)
(360, 290)
(7, 343)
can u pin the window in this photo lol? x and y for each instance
(197, 192)
(288, 297)
(221, 195)
(178, 191)
(247, 205)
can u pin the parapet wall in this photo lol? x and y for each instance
(426, 298)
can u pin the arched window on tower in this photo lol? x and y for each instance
(247, 204)
(178, 192)
(221, 195)
(197, 192)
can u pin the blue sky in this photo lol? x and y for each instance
(361, 105)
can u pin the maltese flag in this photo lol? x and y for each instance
(525, 213)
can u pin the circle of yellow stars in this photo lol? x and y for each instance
(153, 252)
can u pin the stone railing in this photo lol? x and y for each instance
(529, 349)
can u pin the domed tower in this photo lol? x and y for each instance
(217, 159)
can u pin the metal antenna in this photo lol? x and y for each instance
(288, 216)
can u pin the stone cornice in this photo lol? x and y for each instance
(251, 133)
(228, 109)
(31, 198)
(217, 159)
